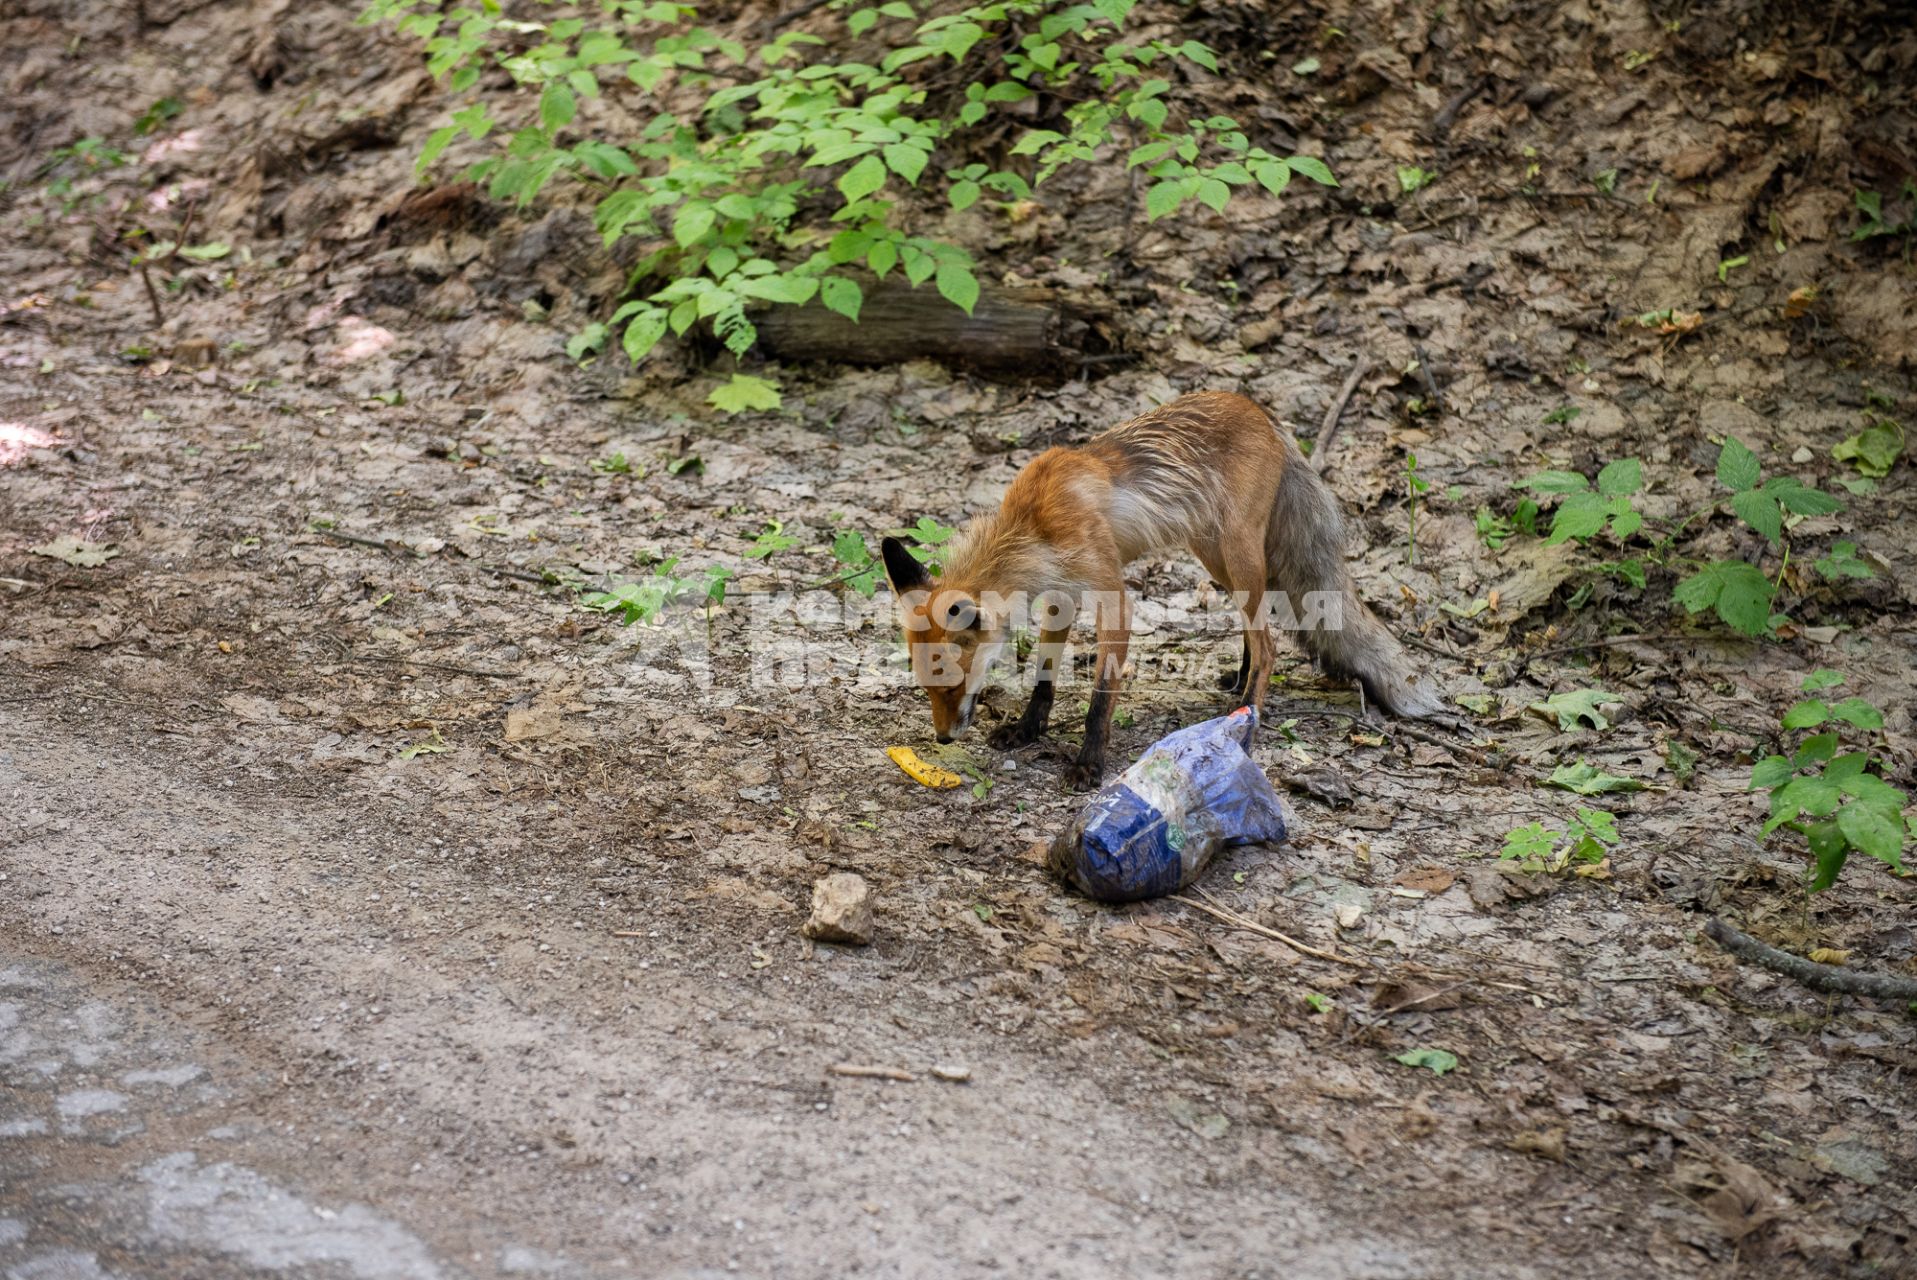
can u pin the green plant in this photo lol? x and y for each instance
(647, 598)
(158, 114)
(65, 167)
(1742, 596)
(1414, 485)
(863, 570)
(1837, 802)
(1534, 847)
(771, 540)
(1493, 529)
(616, 465)
(1412, 179)
(1871, 205)
(1874, 449)
(1740, 593)
(773, 170)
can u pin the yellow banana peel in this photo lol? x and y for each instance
(926, 775)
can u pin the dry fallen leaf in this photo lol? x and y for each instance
(76, 552)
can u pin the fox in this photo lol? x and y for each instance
(1212, 472)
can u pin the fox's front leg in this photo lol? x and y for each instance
(1114, 639)
(1031, 726)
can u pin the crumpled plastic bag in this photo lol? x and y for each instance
(1153, 830)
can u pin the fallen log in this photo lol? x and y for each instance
(1031, 332)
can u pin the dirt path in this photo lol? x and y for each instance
(234, 1021)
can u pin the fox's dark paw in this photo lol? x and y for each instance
(1018, 733)
(1085, 775)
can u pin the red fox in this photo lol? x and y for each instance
(1212, 472)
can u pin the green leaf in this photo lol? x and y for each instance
(1800, 498)
(209, 252)
(1555, 482)
(1868, 788)
(1164, 198)
(842, 295)
(1737, 467)
(1561, 415)
(1832, 850)
(1621, 478)
(792, 290)
(1437, 1061)
(1807, 714)
(1214, 194)
(557, 106)
(1588, 780)
(1871, 831)
(906, 161)
(849, 549)
(1817, 748)
(1313, 168)
(1760, 511)
(1874, 449)
(1739, 593)
(862, 179)
(1035, 139)
(1808, 794)
(588, 339)
(1771, 771)
(1822, 678)
(745, 392)
(1200, 54)
(883, 256)
(436, 143)
(691, 223)
(1581, 515)
(1858, 712)
(1272, 175)
(964, 195)
(957, 285)
(643, 334)
(1578, 705)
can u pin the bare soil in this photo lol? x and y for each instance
(479, 912)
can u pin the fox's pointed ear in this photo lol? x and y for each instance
(902, 568)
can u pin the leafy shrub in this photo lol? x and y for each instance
(1740, 593)
(729, 194)
(647, 598)
(1835, 801)
(1535, 847)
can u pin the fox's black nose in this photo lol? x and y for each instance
(944, 737)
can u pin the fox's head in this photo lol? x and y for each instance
(951, 639)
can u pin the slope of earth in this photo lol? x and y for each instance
(354, 873)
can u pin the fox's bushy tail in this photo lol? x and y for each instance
(1305, 552)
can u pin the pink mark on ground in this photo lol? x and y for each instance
(16, 438)
(359, 339)
(179, 144)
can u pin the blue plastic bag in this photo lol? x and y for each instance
(1154, 829)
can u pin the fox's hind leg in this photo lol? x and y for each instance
(1243, 560)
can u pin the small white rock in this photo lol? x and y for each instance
(841, 910)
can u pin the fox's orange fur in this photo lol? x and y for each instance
(1211, 472)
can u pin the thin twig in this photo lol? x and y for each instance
(1441, 123)
(434, 666)
(1240, 922)
(1328, 430)
(1818, 977)
(859, 1071)
(1606, 642)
